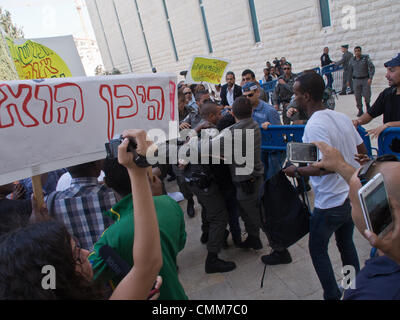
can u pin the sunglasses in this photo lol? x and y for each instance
(286, 68)
(187, 93)
(249, 95)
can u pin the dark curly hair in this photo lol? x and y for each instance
(23, 254)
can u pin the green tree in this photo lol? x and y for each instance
(8, 26)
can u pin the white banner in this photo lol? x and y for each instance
(54, 123)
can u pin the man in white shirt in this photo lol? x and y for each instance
(230, 91)
(332, 210)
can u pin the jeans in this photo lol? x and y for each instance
(329, 78)
(323, 223)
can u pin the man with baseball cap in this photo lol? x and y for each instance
(388, 102)
(263, 113)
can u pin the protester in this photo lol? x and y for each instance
(189, 99)
(230, 91)
(267, 75)
(49, 182)
(388, 102)
(25, 251)
(249, 76)
(331, 191)
(284, 91)
(120, 235)
(273, 74)
(380, 276)
(81, 206)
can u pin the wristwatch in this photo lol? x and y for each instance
(140, 160)
(297, 173)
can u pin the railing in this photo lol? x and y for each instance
(275, 138)
(389, 142)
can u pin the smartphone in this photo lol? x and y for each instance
(302, 152)
(375, 205)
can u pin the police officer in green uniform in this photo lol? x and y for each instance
(345, 62)
(362, 71)
(246, 168)
(202, 183)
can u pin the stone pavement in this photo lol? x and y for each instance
(295, 281)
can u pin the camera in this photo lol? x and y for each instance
(276, 62)
(112, 151)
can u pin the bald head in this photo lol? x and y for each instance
(391, 175)
(211, 112)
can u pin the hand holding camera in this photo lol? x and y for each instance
(130, 148)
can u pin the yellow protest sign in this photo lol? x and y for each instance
(35, 61)
(207, 69)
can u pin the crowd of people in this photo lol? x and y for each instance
(119, 238)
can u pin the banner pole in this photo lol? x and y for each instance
(38, 190)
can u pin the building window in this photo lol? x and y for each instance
(170, 31)
(325, 14)
(254, 21)
(203, 14)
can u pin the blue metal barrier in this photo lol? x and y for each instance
(367, 141)
(269, 86)
(275, 137)
(331, 68)
(389, 142)
(337, 75)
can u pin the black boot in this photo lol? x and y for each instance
(277, 257)
(360, 112)
(251, 242)
(190, 208)
(214, 264)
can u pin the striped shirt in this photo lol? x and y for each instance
(81, 209)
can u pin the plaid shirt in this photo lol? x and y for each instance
(81, 209)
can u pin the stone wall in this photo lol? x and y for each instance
(290, 28)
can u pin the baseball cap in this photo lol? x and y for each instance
(249, 86)
(346, 46)
(394, 62)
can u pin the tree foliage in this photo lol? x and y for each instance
(8, 26)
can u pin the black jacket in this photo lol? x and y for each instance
(237, 92)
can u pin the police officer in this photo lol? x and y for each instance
(345, 62)
(184, 111)
(247, 172)
(284, 91)
(361, 70)
(203, 184)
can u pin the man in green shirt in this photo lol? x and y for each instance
(119, 236)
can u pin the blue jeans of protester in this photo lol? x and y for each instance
(323, 224)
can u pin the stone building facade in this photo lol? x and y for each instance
(136, 35)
